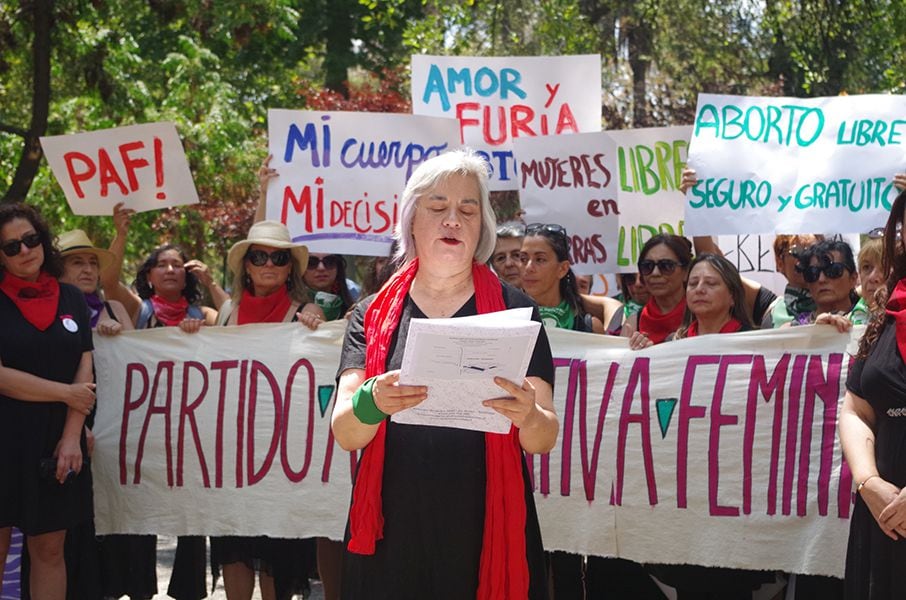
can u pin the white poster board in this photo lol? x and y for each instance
(143, 166)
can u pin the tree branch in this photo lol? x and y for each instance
(13, 130)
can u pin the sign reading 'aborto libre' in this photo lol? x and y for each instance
(792, 165)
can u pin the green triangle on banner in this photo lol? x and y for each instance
(665, 408)
(325, 393)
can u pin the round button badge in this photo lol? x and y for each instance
(70, 325)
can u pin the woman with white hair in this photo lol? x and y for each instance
(440, 512)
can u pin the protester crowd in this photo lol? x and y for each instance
(405, 538)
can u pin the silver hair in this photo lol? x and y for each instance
(456, 162)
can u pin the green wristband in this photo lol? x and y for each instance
(363, 406)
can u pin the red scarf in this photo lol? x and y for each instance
(657, 325)
(896, 308)
(503, 572)
(169, 313)
(731, 326)
(264, 309)
(36, 300)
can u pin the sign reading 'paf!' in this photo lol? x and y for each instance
(341, 174)
(143, 166)
(499, 99)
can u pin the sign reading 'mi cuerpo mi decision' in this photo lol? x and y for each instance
(341, 174)
(498, 99)
(794, 165)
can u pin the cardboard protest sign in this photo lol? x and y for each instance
(570, 181)
(794, 165)
(671, 454)
(650, 164)
(341, 174)
(497, 100)
(143, 166)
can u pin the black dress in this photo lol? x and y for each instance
(29, 431)
(874, 562)
(434, 492)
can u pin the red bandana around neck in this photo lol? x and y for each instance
(731, 326)
(503, 572)
(169, 313)
(36, 300)
(264, 309)
(896, 308)
(657, 325)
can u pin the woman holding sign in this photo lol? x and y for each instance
(267, 272)
(45, 394)
(440, 512)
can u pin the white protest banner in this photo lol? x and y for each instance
(341, 174)
(570, 181)
(674, 454)
(497, 100)
(224, 432)
(650, 166)
(717, 451)
(143, 166)
(794, 165)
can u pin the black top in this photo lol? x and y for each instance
(874, 562)
(434, 491)
(763, 301)
(30, 431)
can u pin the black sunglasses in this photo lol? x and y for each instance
(878, 233)
(331, 261)
(536, 228)
(14, 247)
(279, 258)
(833, 270)
(665, 266)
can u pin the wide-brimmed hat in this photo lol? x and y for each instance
(78, 242)
(267, 233)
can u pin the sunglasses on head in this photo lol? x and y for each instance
(832, 270)
(665, 266)
(279, 258)
(536, 228)
(878, 233)
(14, 247)
(331, 261)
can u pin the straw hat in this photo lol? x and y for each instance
(267, 233)
(78, 242)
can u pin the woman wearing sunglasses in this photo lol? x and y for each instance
(46, 391)
(548, 278)
(829, 271)
(663, 265)
(267, 270)
(325, 278)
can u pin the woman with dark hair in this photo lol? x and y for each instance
(46, 391)
(325, 278)
(715, 298)
(872, 427)
(829, 270)
(166, 284)
(549, 280)
(663, 266)
(168, 293)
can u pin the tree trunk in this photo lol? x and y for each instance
(638, 38)
(40, 103)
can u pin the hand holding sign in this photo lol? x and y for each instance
(142, 166)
